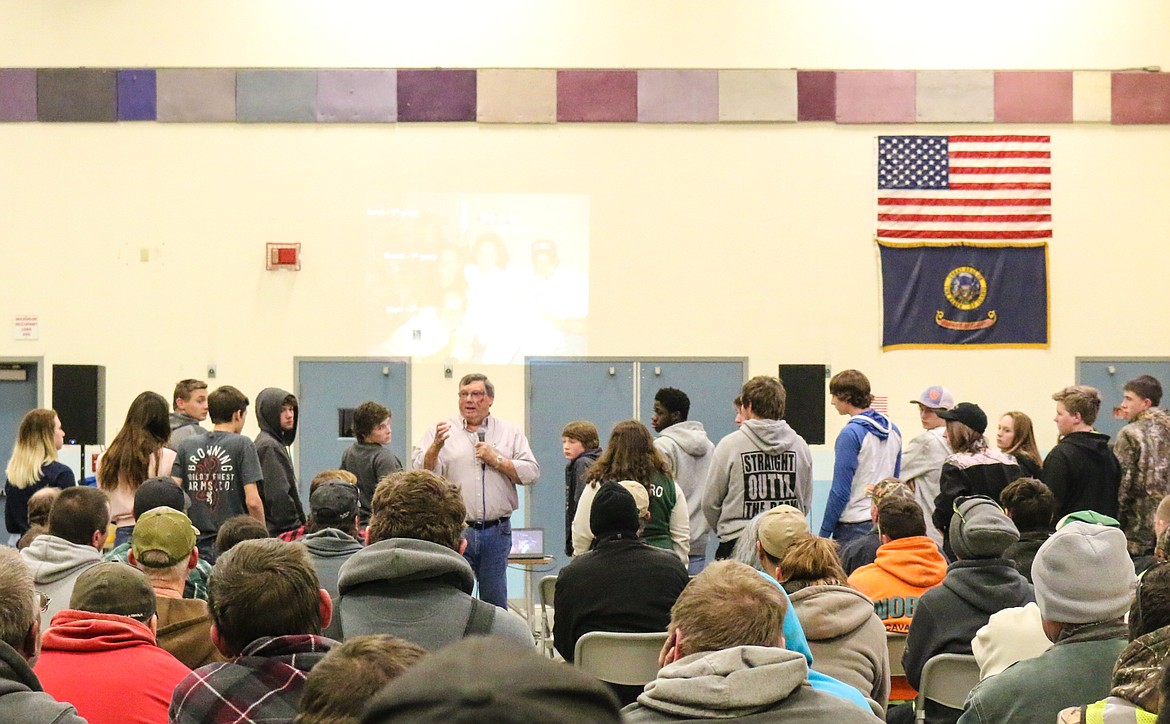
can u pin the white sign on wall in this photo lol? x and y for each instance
(27, 327)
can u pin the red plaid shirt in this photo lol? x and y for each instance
(262, 684)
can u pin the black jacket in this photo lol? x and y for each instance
(1083, 474)
(575, 480)
(622, 584)
(282, 501)
(1022, 553)
(950, 614)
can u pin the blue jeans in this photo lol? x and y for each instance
(696, 565)
(487, 553)
(845, 532)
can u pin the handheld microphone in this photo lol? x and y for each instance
(481, 435)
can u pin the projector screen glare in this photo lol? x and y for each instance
(481, 278)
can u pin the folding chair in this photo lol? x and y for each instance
(619, 658)
(896, 643)
(946, 679)
(548, 586)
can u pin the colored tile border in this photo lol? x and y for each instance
(581, 95)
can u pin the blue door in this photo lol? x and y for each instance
(1109, 376)
(326, 389)
(18, 394)
(605, 392)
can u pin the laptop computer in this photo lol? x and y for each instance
(527, 544)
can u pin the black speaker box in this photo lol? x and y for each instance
(79, 397)
(805, 410)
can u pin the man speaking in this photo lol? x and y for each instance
(487, 458)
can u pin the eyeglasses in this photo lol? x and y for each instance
(472, 394)
(42, 601)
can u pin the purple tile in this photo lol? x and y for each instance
(18, 94)
(1033, 97)
(597, 95)
(436, 95)
(77, 95)
(136, 95)
(1141, 98)
(678, 96)
(816, 95)
(357, 96)
(877, 96)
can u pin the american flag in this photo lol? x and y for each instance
(964, 188)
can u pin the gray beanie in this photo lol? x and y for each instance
(980, 529)
(1083, 574)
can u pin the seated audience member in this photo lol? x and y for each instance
(100, 653)
(77, 530)
(1134, 695)
(726, 641)
(236, 530)
(1084, 585)
(339, 687)
(332, 537)
(622, 584)
(1081, 470)
(1010, 635)
(482, 679)
(21, 697)
(1162, 547)
(861, 551)
(159, 493)
(40, 504)
(847, 638)
(775, 532)
(320, 478)
(907, 564)
(163, 547)
(1032, 507)
(38, 515)
(581, 447)
(973, 469)
(977, 585)
(267, 614)
(368, 458)
(412, 580)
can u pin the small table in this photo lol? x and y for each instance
(530, 567)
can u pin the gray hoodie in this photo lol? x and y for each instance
(847, 638)
(747, 683)
(183, 426)
(686, 446)
(55, 564)
(759, 466)
(328, 549)
(416, 590)
(21, 697)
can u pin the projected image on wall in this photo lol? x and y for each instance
(487, 278)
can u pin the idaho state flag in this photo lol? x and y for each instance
(971, 295)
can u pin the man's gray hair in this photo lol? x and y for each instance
(479, 377)
(17, 611)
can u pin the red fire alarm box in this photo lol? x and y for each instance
(284, 256)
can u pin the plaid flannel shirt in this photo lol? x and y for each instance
(262, 684)
(196, 586)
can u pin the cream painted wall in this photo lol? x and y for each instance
(705, 240)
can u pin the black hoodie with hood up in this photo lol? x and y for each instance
(282, 501)
(1083, 474)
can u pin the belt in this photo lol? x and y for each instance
(481, 524)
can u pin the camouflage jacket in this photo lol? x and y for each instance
(1143, 449)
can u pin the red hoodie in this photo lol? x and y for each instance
(108, 667)
(901, 572)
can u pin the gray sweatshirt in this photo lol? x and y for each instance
(759, 466)
(55, 564)
(688, 450)
(21, 697)
(747, 683)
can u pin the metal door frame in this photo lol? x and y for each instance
(409, 390)
(40, 363)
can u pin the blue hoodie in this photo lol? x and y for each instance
(795, 640)
(868, 449)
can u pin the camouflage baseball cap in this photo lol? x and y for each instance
(886, 487)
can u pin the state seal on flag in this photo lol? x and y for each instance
(965, 287)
